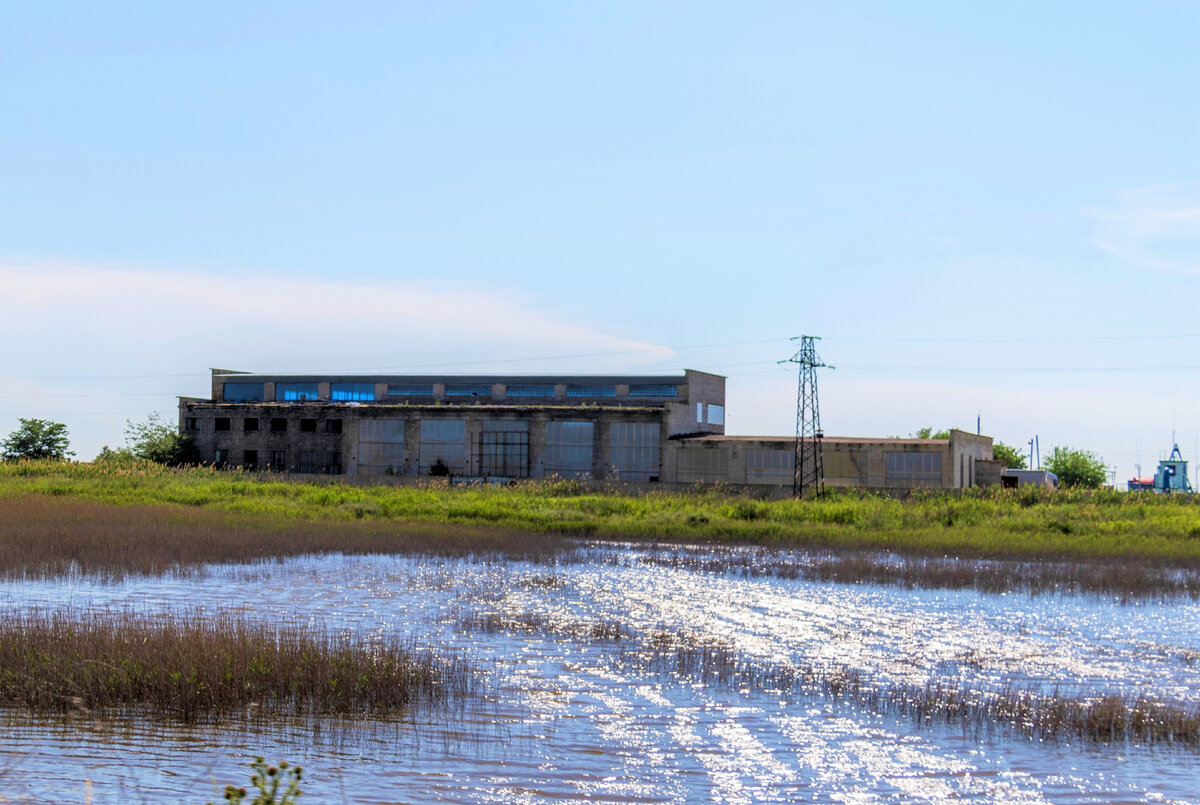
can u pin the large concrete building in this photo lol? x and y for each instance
(668, 429)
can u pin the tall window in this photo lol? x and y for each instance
(633, 451)
(352, 392)
(278, 461)
(569, 449)
(381, 446)
(913, 469)
(702, 464)
(250, 459)
(443, 445)
(770, 466)
(295, 392)
(504, 448)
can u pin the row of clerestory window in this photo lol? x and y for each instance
(250, 424)
(244, 392)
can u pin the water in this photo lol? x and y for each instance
(570, 718)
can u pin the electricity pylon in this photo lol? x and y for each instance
(808, 475)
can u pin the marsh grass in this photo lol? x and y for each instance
(1101, 719)
(1029, 523)
(689, 658)
(1120, 580)
(110, 519)
(538, 623)
(48, 537)
(191, 668)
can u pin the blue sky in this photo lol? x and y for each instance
(985, 210)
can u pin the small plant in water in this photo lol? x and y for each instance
(267, 780)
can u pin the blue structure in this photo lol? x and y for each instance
(1171, 476)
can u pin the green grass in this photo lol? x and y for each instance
(1024, 524)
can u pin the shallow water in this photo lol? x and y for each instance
(572, 718)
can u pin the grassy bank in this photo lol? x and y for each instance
(191, 668)
(1029, 524)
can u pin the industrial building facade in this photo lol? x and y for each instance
(668, 429)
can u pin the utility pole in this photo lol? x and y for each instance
(808, 476)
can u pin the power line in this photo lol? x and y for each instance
(1043, 340)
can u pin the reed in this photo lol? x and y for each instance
(47, 537)
(1121, 580)
(682, 656)
(190, 668)
(1098, 719)
(1031, 524)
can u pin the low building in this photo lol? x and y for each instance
(666, 429)
(891, 464)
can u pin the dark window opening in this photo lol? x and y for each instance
(333, 426)
(278, 461)
(220, 458)
(250, 459)
(278, 425)
(333, 460)
(221, 423)
(250, 423)
(308, 461)
(308, 426)
(190, 423)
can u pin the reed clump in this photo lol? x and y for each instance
(191, 668)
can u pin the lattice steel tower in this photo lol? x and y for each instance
(809, 472)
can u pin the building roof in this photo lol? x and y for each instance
(448, 378)
(825, 439)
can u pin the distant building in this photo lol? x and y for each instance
(1015, 479)
(667, 429)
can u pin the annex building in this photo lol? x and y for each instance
(667, 429)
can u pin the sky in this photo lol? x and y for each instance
(989, 212)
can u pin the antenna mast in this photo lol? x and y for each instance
(809, 472)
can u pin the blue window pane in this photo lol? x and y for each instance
(243, 392)
(530, 390)
(410, 389)
(591, 391)
(653, 390)
(352, 392)
(468, 390)
(295, 392)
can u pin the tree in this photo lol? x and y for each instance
(927, 433)
(1076, 467)
(1012, 458)
(153, 440)
(37, 438)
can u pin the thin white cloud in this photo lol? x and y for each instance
(1153, 227)
(283, 324)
